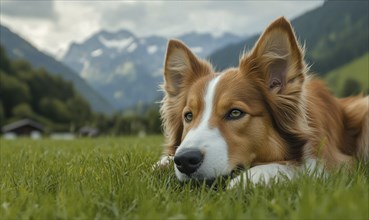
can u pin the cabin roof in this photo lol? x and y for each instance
(21, 123)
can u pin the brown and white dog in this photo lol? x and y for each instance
(268, 114)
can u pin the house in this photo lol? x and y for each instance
(88, 132)
(24, 127)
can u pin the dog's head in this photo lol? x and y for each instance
(215, 122)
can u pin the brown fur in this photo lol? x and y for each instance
(290, 116)
(183, 74)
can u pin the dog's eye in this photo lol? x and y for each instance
(188, 116)
(234, 114)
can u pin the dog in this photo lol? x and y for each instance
(268, 115)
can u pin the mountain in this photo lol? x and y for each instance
(18, 48)
(127, 69)
(334, 34)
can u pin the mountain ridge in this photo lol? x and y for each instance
(334, 34)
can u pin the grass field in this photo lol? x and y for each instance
(357, 70)
(111, 178)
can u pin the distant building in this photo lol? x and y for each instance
(62, 136)
(88, 132)
(25, 127)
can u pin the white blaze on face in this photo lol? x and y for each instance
(207, 140)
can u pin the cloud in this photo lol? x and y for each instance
(59, 23)
(29, 9)
(174, 18)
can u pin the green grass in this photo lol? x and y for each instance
(357, 70)
(111, 178)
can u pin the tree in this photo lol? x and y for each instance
(21, 67)
(12, 92)
(351, 87)
(5, 64)
(2, 114)
(22, 110)
(153, 120)
(79, 109)
(54, 109)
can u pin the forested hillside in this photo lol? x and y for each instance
(27, 92)
(351, 78)
(18, 48)
(334, 34)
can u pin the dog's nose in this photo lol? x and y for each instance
(188, 160)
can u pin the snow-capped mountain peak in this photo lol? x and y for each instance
(127, 69)
(120, 44)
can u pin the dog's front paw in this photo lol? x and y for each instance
(163, 163)
(236, 182)
(263, 174)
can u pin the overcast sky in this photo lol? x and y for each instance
(52, 25)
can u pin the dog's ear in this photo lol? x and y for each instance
(181, 68)
(277, 63)
(278, 57)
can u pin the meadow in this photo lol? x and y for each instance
(111, 178)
